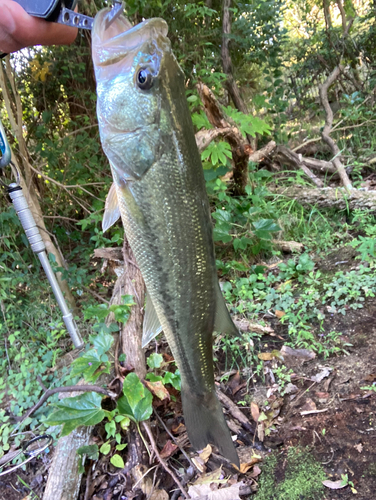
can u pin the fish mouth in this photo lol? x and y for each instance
(113, 43)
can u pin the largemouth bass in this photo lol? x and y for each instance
(159, 191)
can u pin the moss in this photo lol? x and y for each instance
(294, 475)
(371, 469)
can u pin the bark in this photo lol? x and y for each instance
(64, 478)
(231, 85)
(323, 90)
(328, 18)
(332, 198)
(242, 152)
(14, 109)
(132, 283)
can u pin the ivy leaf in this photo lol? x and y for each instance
(102, 342)
(99, 312)
(264, 227)
(153, 378)
(137, 400)
(87, 365)
(84, 409)
(117, 461)
(91, 451)
(155, 360)
(174, 379)
(105, 448)
(121, 447)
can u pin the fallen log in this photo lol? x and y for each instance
(331, 197)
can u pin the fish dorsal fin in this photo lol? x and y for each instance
(152, 326)
(222, 319)
(111, 209)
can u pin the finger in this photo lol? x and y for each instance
(22, 30)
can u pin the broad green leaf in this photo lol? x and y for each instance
(105, 448)
(155, 360)
(153, 378)
(137, 400)
(87, 365)
(102, 342)
(91, 451)
(124, 423)
(84, 409)
(99, 312)
(117, 461)
(120, 447)
(174, 379)
(110, 428)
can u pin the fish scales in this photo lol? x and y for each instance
(148, 136)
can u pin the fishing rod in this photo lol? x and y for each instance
(32, 232)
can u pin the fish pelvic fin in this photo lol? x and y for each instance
(222, 320)
(111, 209)
(151, 326)
(206, 423)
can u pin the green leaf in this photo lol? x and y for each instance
(84, 409)
(99, 312)
(102, 342)
(110, 428)
(117, 461)
(121, 447)
(105, 448)
(87, 365)
(124, 423)
(155, 360)
(91, 451)
(153, 378)
(137, 400)
(174, 379)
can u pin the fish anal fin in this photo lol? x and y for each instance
(111, 209)
(222, 319)
(152, 326)
(206, 424)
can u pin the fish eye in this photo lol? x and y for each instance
(144, 79)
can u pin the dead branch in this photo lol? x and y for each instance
(242, 152)
(235, 411)
(331, 198)
(68, 388)
(205, 137)
(288, 246)
(323, 91)
(161, 461)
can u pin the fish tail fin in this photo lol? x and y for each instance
(206, 424)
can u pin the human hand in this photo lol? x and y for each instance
(18, 29)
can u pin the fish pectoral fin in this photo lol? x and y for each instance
(222, 319)
(111, 209)
(206, 424)
(152, 326)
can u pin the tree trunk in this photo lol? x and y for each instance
(328, 18)
(231, 85)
